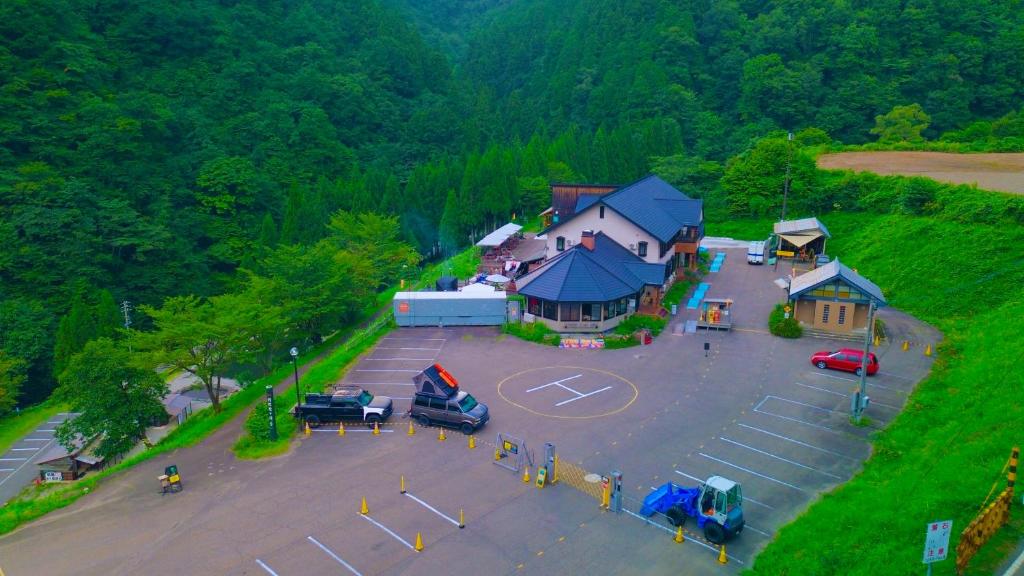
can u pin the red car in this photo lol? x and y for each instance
(848, 359)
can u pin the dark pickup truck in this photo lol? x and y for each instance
(347, 403)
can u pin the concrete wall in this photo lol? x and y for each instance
(613, 225)
(454, 309)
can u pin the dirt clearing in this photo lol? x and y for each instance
(1003, 172)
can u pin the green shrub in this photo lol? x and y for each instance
(257, 423)
(779, 325)
(533, 332)
(636, 322)
(616, 342)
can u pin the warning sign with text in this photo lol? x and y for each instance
(936, 541)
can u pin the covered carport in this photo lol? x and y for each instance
(802, 237)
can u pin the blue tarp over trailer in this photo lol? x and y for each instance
(464, 308)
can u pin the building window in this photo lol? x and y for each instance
(641, 249)
(560, 243)
(842, 315)
(609, 310)
(601, 212)
(550, 310)
(623, 306)
(570, 312)
(824, 314)
(826, 291)
(533, 306)
(591, 312)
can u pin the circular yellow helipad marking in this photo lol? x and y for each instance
(636, 392)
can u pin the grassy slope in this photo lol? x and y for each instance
(939, 459)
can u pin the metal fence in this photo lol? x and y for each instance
(983, 527)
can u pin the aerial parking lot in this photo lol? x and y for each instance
(751, 408)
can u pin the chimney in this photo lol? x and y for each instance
(587, 239)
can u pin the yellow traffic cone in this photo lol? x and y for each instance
(440, 435)
(906, 346)
(722, 558)
(411, 429)
(526, 475)
(679, 535)
(928, 350)
(497, 454)
(877, 340)
(364, 509)
(419, 542)
(472, 442)
(307, 431)
(341, 429)
(376, 429)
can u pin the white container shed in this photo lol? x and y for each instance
(464, 308)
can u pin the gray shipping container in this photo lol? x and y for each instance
(466, 308)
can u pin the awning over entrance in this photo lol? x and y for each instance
(498, 237)
(800, 240)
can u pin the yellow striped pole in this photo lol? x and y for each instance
(1011, 476)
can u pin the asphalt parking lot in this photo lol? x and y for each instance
(753, 410)
(17, 468)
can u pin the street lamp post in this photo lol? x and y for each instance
(785, 187)
(859, 401)
(295, 366)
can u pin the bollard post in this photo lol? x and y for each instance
(606, 491)
(462, 519)
(554, 470)
(402, 489)
(497, 454)
(906, 346)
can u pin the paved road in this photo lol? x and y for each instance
(753, 410)
(17, 465)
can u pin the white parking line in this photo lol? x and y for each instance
(555, 383)
(265, 567)
(834, 393)
(670, 531)
(46, 430)
(23, 464)
(383, 383)
(435, 510)
(400, 359)
(897, 376)
(581, 396)
(749, 471)
(745, 497)
(747, 526)
(384, 370)
(797, 420)
(835, 377)
(56, 422)
(35, 439)
(6, 469)
(388, 530)
(801, 403)
(24, 449)
(13, 459)
(347, 430)
(770, 455)
(407, 348)
(781, 437)
(417, 339)
(333, 555)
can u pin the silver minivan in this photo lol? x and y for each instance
(460, 410)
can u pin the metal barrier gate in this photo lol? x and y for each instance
(575, 476)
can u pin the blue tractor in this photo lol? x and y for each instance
(716, 504)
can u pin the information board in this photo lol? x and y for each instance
(936, 541)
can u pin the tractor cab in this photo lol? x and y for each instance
(721, 500)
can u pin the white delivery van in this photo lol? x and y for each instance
(755, 252)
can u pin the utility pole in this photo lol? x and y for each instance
(126, 309)
(859, 402)
(785, 187)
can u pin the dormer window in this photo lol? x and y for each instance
(560, 243)
(641, 249)
(600, 211)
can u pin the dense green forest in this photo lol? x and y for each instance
(155, 149)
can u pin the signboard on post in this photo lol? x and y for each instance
(936, 541)
(270, 412)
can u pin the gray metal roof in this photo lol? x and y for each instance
(499, 236)
(652, 204)
(607, 272)
(801, 225)
(834, 269)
